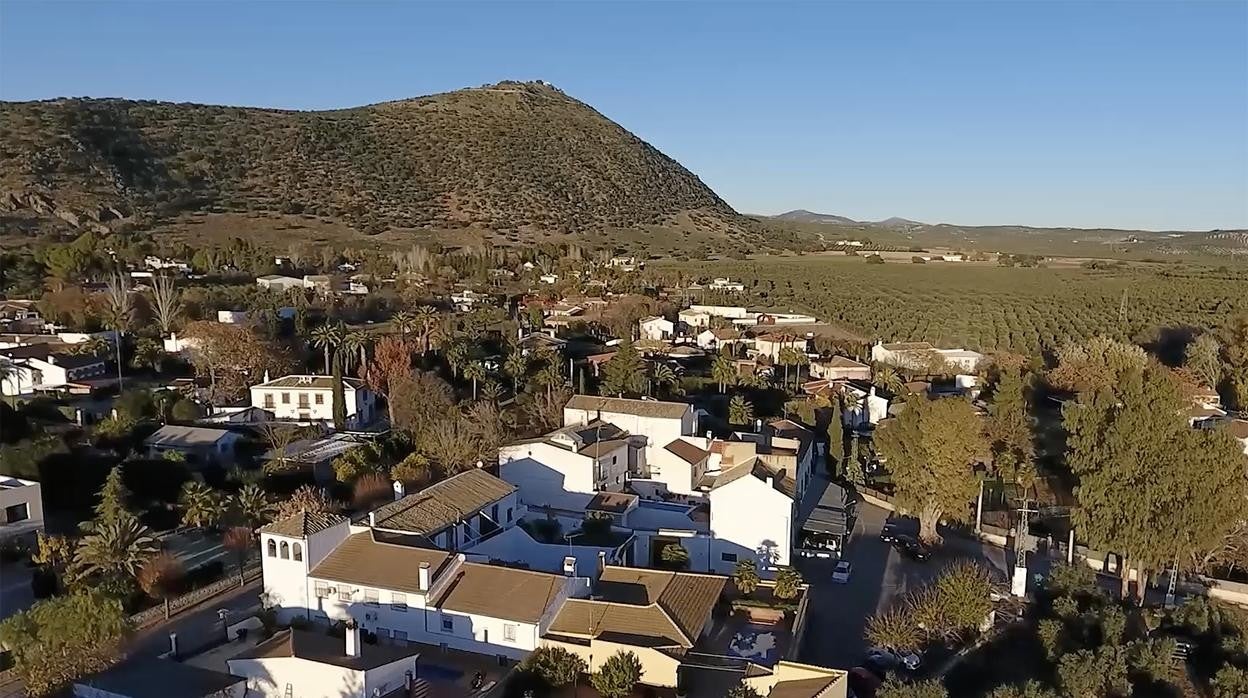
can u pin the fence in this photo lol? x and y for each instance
(156, 614)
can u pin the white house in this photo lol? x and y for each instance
(731, 312)
(919, 355)
(581, 458)
(453, 514)
(725, 284)
(659, 422)
(753, 515)
(863, 404)
(770, 345)
(656, 328)
(21, 508)
(147, 677)
(278, 282)
(549, 278)
(714, 340)
(840, 368)
(680, 465)
(311, 663)
(231, 317)
(694, 319)
(35, 368)
(198, 445)
(309, 398)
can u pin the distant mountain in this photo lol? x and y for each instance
(896, 222)
(801, 215)
(522, 158)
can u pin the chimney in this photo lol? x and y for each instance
(771, 481)
(424, 576)
(480, 464)
(602, 562)
(353, 639)
(52, 359)
(758, 425)
(399, 491)
(372, 520)
(569, 566)
(407, 681)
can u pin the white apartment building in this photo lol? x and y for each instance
(34, 369)
(659, 422)
(310, 399)
(21, 508)
(278, 282)
(579, 458)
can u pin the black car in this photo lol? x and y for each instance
(889, 533)
(911, 548)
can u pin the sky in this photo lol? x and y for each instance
(1129, 114)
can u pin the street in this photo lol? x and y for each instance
(199, 626)
(838, 613)
(15, 591)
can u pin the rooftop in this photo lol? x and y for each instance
(908, 346)
(780, 480)
(443, 504)
(686, 451)
(640, 408)
(176, 435)
(611, 502)
(368, 561)
(841, 362)
(322, 648)
(303, 524)
(501, 592)
(309, 382)
(160, 678)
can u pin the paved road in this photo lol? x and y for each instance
(201, 625)
(15, 592)
(838, 613)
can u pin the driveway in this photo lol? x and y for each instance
(838, 613)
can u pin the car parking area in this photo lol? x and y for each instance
(879, 576)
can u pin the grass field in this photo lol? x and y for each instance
(987, 307)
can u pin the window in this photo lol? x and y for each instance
(285, 398)
(322, 590)
(344, 594)
(303, 400)
(296, 552)
(509, 632)
(494, 513)
(728, 557)
(319, 398)
(448, 624)
(272, 548)
(400, 636)
(382, 633)
(285, 548)
(509, 513)
(398, 601)
(268, 400)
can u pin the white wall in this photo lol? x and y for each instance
(269, 677)
(29, 493)
(750, 519)
(359, 404)
(542, 467)
(516, 545)
(659, 431)
(286, 581)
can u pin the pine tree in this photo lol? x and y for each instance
(836, 439)
(339, 394)
(113, 496)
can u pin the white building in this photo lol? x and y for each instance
(656, 328)
(278, 282)
(581, 458)
(694, 319)
(21, 508)
(231, 317)
(725, 284)
(840, 368)
(921, 355)
(770, 345)
(549, 278)
(731, 312)
(453, 514)
(309, 399)
(311, 663)
(659, 422)
(35, 368)
(198, 445)
(714, 340)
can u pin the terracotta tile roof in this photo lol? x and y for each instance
(362, 560)
(780, 479)
(641, 408)
(319, 647)
(687, 599)
(309, 382)
(501, 592)
(686, 451)
(590, 618)
(611, 502)
(1238, 428)
(841, 362)
(303, 524)
(803, 688)
(443, 504)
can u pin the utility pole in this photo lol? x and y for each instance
(1019, 579)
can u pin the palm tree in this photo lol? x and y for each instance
(474, 371)
(723, 371)
(800, 359)
(166, 303)
(403, 322)
(327, 337)
(426, 320)
(116, 550)
(254, 505)
(456, 354)
(785, 357)
(118, 314)
(665, 378)
(740, 411)
(201, 505)
(887, 378)
(516, 365)
(355, 344)
(94, 346)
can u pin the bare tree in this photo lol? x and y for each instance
(118, 312)
(279, 437)
(166, 302)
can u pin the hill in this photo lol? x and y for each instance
(518, 159)
(801, 215)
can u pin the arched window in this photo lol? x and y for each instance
(297, 552)
(285, 550)
(272, 548)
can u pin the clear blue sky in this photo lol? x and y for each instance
(1127, 114)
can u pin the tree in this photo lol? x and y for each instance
(723, 371)
(338, 392)
(450, 443)
(786, 359)
(743, 690)
(740, 411)
(618, 676)
(886, 378)
(553, 666)
(166, 303)
(788, 583)
(118, 313)
(419, 400)
(1229, 682)
(279, 436)
(1094, 364)
(894, 629)
(62, 639)
(456, 354)
(894, 687)
(358, 462)
(745, 576)
(663, 377)
(354, 348)
(1010, 429)
(161, 577)
(625, 373)
(836, 438)
(306, 498)
(392, 361)
(964, 591)
(426, 319)
(147, 352)
(853, 464)
(413, 470)
(475, 372)
(1235, 354)
(1203, 357)
(516, 365)
(113, 495)
(1030, 689)
(545, 410)
(202, 506)
(327, 337)
(1095, 673)
(930, 448)
(253, 505)
(114, 552)
(1145, 476)
(233, 357)
(239, 540)
(675, 556)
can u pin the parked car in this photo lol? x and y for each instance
(912, 548)
(890, 532)
(840, 574)
(890, 659)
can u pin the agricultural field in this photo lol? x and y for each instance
(984, 306)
